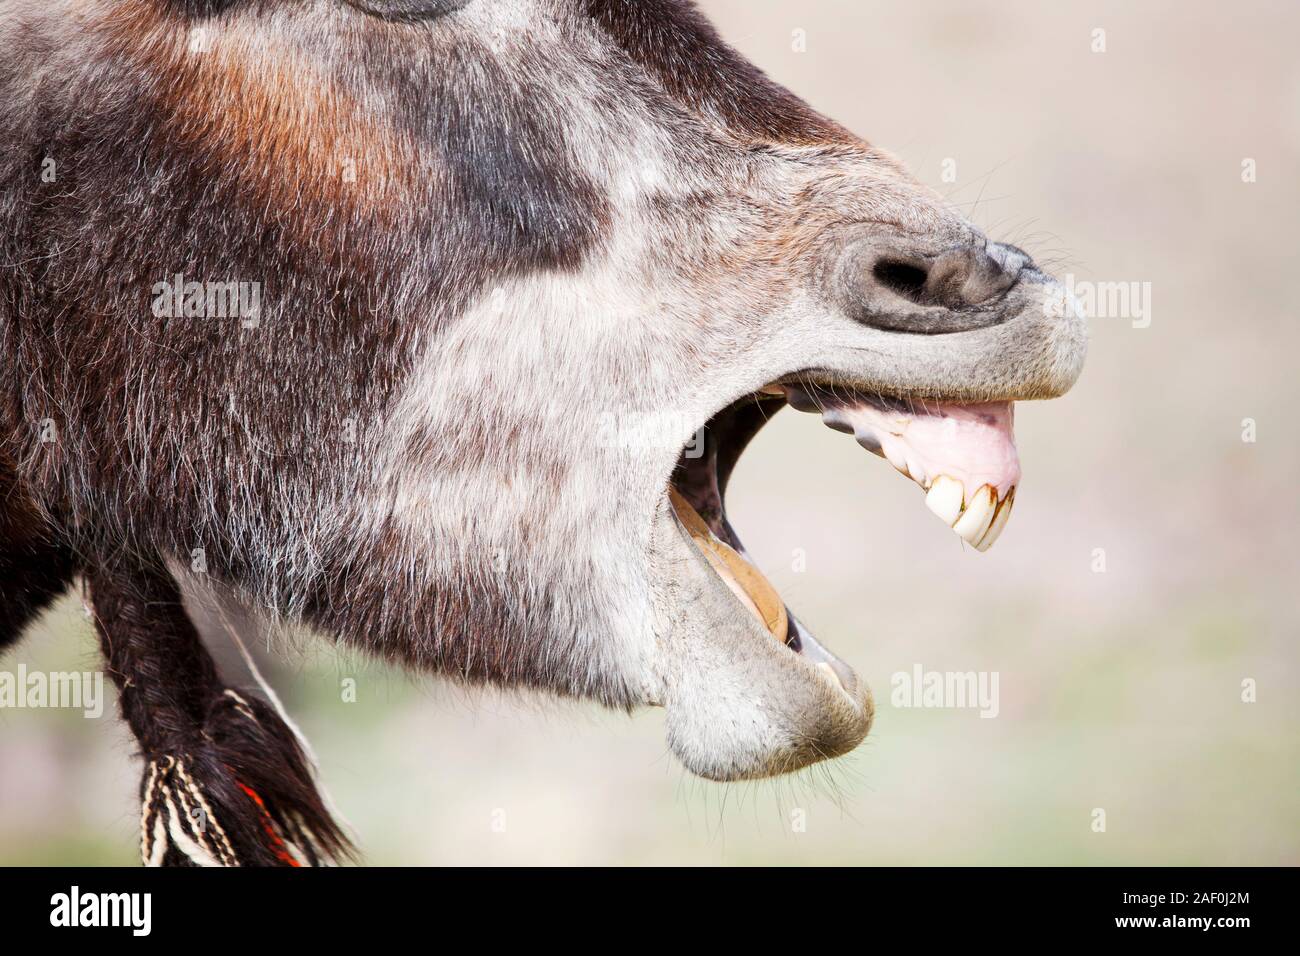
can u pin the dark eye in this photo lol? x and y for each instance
(406, 9)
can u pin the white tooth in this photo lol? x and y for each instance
(945, 498)
(975, 520)
(999, 522)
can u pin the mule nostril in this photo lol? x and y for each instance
(956, 279)
(904, 278)
(896, 286)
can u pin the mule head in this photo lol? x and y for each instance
(584, 252)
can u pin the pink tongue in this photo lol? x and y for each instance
(972, 443)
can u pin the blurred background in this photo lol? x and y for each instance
(1120, 689)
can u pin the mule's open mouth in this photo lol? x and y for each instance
(962, 455)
